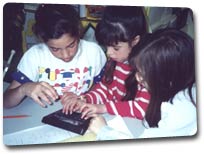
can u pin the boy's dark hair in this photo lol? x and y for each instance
(54, 20)
(119, 24)
(167, 62)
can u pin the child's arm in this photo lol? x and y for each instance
(40, 92)
(71, 102)
(133, 108)
(96, 124)
(97, 95)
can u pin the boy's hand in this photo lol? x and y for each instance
(40, 92)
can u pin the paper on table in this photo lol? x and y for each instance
(86, 137)
(48, 134)
(38, 135)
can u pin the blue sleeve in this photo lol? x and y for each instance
(99, 76)
(20, 77)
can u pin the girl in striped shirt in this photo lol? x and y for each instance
(165, 63)
(119, 31)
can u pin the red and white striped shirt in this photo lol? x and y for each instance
(111, 95)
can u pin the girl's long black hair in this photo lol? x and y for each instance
(167, 62)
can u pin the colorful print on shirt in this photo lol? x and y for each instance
(76, 80)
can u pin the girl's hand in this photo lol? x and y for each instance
(69, 101)
(40, 92)
(91, 110)
(96, 124)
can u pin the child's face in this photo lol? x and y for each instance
(64, 48)
(119, 52)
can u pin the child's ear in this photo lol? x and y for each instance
(135, 40)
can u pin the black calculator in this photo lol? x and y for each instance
(71, 122)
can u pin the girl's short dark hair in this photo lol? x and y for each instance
(54, 20)
(120, 23)
(167, 61)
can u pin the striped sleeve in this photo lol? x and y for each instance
(133, 108)
(97, 95)
(104, 93)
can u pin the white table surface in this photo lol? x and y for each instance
(36, 112)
